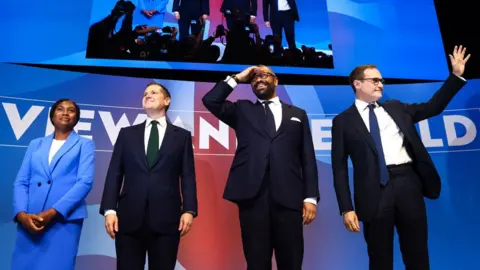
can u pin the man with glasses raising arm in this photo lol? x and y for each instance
(273, 178)
(392, 169)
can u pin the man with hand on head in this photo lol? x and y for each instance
(145, 209)
(273, 178)
(392, 169)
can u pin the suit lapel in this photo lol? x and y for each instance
(286, 116)
(167, 142)
(140, 147)
(357, 122)
(45, 150)
(257, 117)
(69, 143)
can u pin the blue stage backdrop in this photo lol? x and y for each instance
(109, 103)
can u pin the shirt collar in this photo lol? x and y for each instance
(275, 100)
(362, 105)
(162, 121)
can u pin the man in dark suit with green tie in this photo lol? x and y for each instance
(145, 209)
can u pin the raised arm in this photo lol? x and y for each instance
(216, 99)
(440, 100)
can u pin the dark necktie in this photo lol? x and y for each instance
(269, 119)
(375, 133)
(153, 142)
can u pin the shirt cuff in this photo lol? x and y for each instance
(311, 200)
(230, 81)
(460, 77)
(108, 212)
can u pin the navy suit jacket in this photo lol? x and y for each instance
(63, 184)
(289, 154)
(351, 138)
(160, 185)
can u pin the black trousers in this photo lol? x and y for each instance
(242, 22)
(132, 248)
(401, 206)
(284, 20)
(186, 23)
(266, 227)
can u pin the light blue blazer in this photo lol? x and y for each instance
(63, 184)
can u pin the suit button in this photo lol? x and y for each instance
(266, 156)
(39, 184)
(49, 182)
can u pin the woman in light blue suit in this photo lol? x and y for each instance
(150, 12)
(49, 194)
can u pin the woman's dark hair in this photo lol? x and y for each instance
(58, 102)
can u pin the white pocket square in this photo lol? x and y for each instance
(295, 119)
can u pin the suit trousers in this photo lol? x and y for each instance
(402, 206)
(132, 248)
(267, 226)
(284, 20)
(186, 23)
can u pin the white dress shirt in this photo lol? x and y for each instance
(283, 5)
(391, 136)
(162, 127)
(56, 145)
(276, 108)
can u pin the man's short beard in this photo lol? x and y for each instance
(265, 94)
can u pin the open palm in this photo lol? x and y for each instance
(459, 60)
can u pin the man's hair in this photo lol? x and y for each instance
(57, 103)
(358, 73)
(165, 91)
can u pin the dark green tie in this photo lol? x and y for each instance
(152, 147)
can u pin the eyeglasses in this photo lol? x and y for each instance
(263, 76)
(375, 81)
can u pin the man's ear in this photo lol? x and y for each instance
(356, 84)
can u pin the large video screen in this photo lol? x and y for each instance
(308, 37)
(269, 31)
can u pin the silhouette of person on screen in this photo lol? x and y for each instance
(392, 170)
